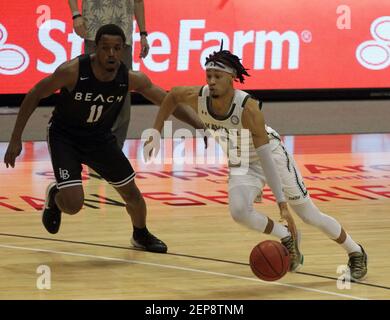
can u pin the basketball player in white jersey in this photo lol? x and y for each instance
(219, 105)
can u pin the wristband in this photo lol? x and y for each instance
(76, 14)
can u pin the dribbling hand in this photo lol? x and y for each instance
(285, 215)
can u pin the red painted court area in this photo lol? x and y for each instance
(336, 167)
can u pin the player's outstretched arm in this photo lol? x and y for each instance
(178, 95)
(177, 98)
(185, 114)
(142, 84)
(62, 77)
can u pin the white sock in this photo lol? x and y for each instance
(350, 246)
(280, 231)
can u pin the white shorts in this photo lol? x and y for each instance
(292, 182)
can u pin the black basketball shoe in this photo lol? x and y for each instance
(149, 243)
(357, 264)
(51, 214)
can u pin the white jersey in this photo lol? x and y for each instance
(239, 143)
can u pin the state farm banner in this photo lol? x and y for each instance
(286, 44)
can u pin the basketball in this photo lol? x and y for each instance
(269, 260)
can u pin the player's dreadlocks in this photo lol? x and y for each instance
(231, 60)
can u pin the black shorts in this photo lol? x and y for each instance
(103, 155)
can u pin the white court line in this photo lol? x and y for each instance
(184, 269)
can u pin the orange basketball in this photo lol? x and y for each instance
(269, 260)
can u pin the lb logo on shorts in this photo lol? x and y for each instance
(64, 174)
(13, 59)
(375, 54)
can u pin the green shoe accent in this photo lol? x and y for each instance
(296, 258)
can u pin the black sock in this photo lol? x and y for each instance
(140, 232)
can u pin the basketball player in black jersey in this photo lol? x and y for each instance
(93, 89)
(219, 105)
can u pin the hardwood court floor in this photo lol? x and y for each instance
(91, 257)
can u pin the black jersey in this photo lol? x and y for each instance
(92, 107)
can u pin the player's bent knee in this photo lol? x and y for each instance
(239, 212)
(71, 199)
(73, 208)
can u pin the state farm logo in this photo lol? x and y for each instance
(13, 59)
(375, 54)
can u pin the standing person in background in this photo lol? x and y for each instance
(96, 13)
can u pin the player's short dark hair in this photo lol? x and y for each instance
(229, 59)
(110, 29)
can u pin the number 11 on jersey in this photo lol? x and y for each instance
(96, 112)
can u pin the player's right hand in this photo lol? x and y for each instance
(79, 27)
(286, 216)
(13, 151)
(150, 145)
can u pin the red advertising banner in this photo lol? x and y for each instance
(286, 44)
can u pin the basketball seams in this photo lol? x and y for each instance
(280, 255)
(260, 253)
(270, 264)
(263, 266)
(287, 254)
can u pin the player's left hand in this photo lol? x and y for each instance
(13, 151)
